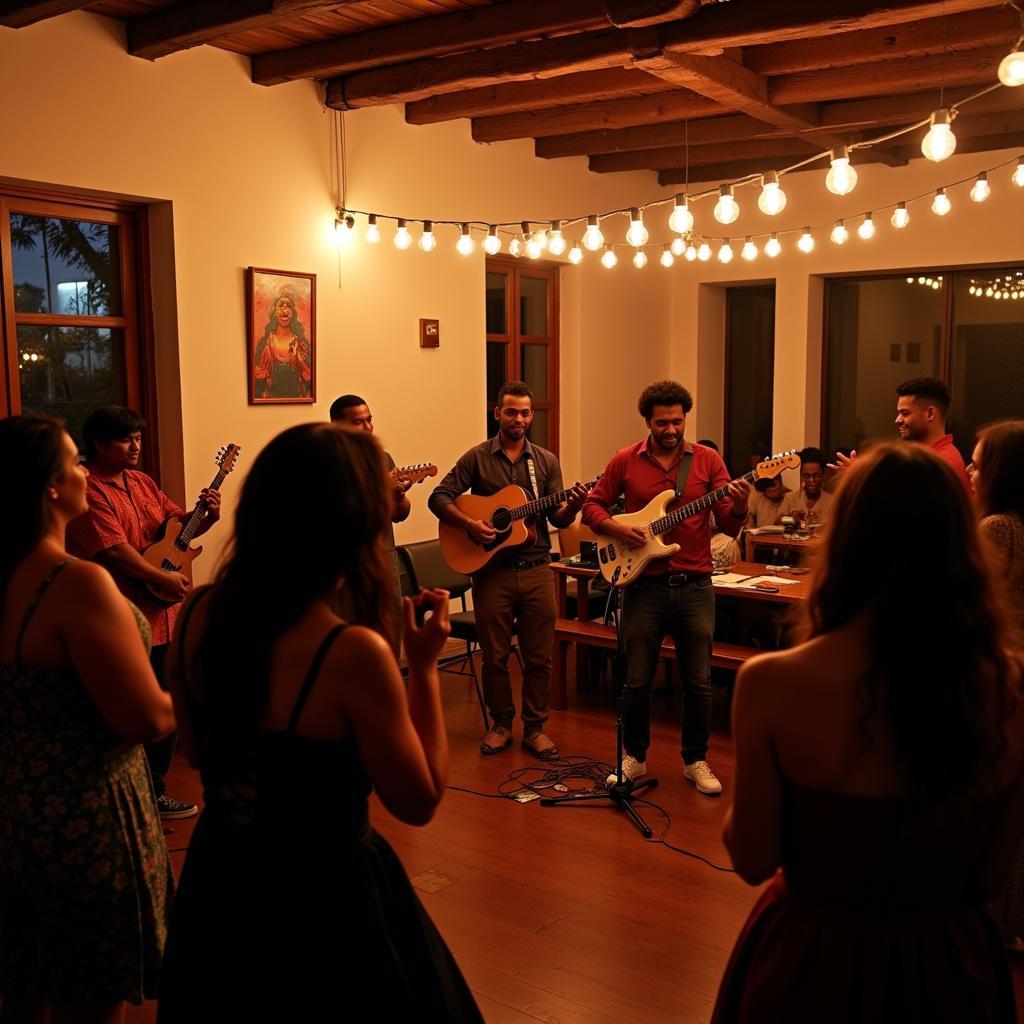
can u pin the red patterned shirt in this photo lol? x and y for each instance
(133, 515)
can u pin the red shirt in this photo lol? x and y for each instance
(635, 473)
(133, 514)
(945, 449)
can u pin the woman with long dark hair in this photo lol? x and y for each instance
(84, 874)
(289, 901)
(879, 770)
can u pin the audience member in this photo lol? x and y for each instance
(810, 502)
(290, 903)
(765, 500)
(84, 873)
(879, 771)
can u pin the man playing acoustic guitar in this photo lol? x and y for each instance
(673, 595)
(127, 512)
(516, 584)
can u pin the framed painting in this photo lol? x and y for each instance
(281, 330)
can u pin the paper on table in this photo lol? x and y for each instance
(730, 579)
(766, 529)
(775, 581)
(734, 579)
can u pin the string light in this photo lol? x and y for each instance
(533, 246)
(726, 209)
(592, 237)
(556, 242)
(749, 250)
(806, 242)
(515, 247)
(900, 218)
(465, 244)
(637, 234)
(428, 243)
(691, 252)
(772, 200)
(666, 259)
(681, 220)
(939, 143)
(402, 237)
(372, 231)
(678, 245)
(576, 254)
(703, 251)
(639, 259)
(839, 233)
(772, 247)
(608, 258)
(981, 190)
(725, 252)
(1018, 174)
(866, 229)
(941, 204)
(1011, 68)
(841, 178)
(343, 226)
(492, 243)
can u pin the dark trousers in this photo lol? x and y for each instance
(501, 597)
(650, 609)
(159, 754)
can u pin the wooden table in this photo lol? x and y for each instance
(582, 631)
(779, 541)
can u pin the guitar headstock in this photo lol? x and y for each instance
(775, 464)
(414, 474)
(227, 456)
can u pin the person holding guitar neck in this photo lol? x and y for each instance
(516, 584)
(127, 512)
(673, 595)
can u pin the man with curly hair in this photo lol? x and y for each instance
(673, 595)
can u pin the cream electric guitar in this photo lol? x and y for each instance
(620, 565)
(414, 474)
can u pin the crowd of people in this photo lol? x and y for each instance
(879, 779)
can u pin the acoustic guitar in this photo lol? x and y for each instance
(174, 553)
(620, 565)
(414, 474)
(509, 511)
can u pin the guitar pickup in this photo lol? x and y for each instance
(606, 552)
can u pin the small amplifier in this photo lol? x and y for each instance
(588, 551)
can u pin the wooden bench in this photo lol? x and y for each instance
(597, 634)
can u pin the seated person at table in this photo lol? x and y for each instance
(879, 776)
(810, 501)
(765, 500)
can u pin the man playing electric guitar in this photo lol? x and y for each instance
(673, 595)
(516, 584)
(127, 512)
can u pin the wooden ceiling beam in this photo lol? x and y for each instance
(639, 13)
(584, 87)
(728, 171)
(722, 152)
(666, 106)
(967, 31)
(17, 15)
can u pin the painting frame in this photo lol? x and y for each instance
(281, 362)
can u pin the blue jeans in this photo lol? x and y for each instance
(650, 609)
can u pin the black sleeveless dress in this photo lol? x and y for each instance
(292, 907)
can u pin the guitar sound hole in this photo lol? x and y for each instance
(501, 519)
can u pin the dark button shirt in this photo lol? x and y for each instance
(635, 473)
(485, 470)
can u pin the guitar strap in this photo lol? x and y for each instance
(683, 474)
(533, 474)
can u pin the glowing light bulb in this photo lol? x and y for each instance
(725, 252)
(556, 241)
(541, 238)
(372, 231)
(749, 250)
(866, 228)
(492, 243)
(841, 178)
(666, 259)
(608, 258)
(1011, 69)
(592, 237)
(690, 253)
(402, 237)
(681, 220)
(515, 247)
(941, 204)
(772, 199)
(343, 227)
(806, 242)
(981, 190)
(1018, 174)
(772, 247)
(940, 142)
(704, 251)
(726, 209)
(465, 244)
(678, 245)
(900, 218)
(639, 259)
(576, 253)
(428, 242)
(637, 234)
(533, 246)
(839, 233)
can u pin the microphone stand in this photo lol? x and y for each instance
(621, 793)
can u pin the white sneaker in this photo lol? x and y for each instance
(632, 769)
(701, 775)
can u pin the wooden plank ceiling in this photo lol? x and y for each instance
(692, 90)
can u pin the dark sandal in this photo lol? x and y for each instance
(540, 745)
(497, 740)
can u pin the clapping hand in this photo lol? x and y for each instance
(843, 462)
(423, 643)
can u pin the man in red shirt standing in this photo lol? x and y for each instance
(127, 511)
(673, 595)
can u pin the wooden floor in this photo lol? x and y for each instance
(566, 914)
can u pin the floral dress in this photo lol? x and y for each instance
(85, 881)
